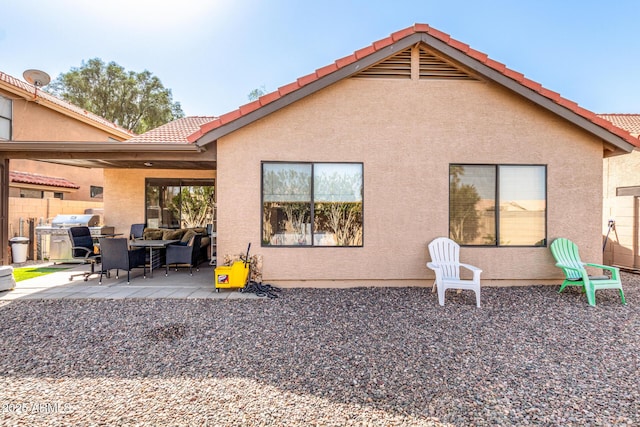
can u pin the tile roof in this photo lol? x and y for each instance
(379, 45)
(176, 131)
(40, 94)
(628, 122)
(34, 179)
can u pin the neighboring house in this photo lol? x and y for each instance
(36, 186)
(39, 189)
(34, 198)
(344, 176)
(621, 190)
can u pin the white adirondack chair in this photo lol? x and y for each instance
(445, 262)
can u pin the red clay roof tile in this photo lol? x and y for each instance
(399, 35)
(462, 47)
(269, 97)
(519, 77)
(230, 116)
(247, 108)
(381, 44)
(321, 72)
(482, 57)
(439, 35)
(498, 66)
(548, 93)
(366, 51)
(177, 131)
(305, 80)
(35, 179)
(587, 114)
(288, 88)
(628, 122)
(567, 103)
(343, 62)
(532, 85)
(204, 129)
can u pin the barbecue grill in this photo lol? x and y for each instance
(56, 240)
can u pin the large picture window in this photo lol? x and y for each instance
(179, 203)
(312, 204)
(498, 205)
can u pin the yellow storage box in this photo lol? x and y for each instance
(232, 276)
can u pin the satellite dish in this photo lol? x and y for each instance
(36, 77)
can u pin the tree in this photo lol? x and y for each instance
(195, 204)
(135, 101)
(256, 93)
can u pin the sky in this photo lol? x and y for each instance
(212, 53)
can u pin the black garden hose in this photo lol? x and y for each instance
(261, 289)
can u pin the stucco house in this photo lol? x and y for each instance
(40, 190)
(621, 191)
(342, 177)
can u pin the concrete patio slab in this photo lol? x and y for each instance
(177, 284)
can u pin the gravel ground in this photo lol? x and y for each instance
(325, 357)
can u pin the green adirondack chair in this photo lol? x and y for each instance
(568, 259)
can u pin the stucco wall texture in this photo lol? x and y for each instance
(406, 133)
(48, 125)
(33, 122)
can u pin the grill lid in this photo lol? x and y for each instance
(75, 220)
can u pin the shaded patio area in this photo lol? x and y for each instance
(178, 284)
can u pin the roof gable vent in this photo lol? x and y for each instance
(435, 67)
(395, 67)
(427, 65)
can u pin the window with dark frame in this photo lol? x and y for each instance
(179, 203)
(312, 204)
(498, 205)
(27, 193)
(6, 116)
(96, 192)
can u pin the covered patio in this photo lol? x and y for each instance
(164, 152)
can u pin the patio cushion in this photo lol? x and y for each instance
(173, 234)
(152, 234)
(188, 235)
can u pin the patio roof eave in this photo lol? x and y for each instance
(97, 147)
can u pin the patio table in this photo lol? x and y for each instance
(151, 245)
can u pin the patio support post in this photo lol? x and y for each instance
(4, 210)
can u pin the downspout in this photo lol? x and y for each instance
(4, 210)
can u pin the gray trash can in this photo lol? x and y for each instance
(19, 249)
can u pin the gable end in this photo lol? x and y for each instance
(442, 58)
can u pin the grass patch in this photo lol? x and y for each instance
(24, 273)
